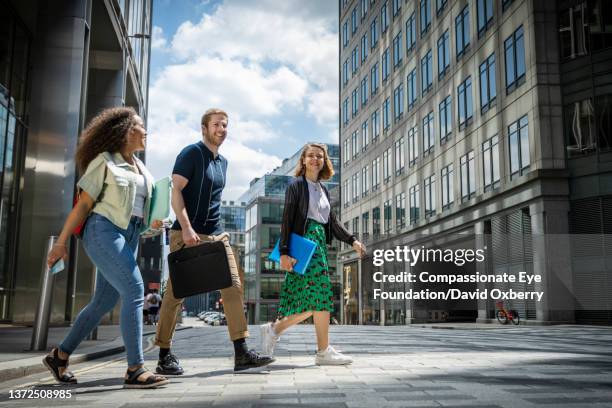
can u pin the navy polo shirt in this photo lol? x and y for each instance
(202, 195)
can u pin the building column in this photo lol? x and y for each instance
(552, 261)
(480, 243)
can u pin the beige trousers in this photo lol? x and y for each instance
(233, 297)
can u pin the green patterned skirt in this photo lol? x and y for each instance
(313, 290)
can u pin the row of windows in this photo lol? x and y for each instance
(484, 9)
(369, 178)
(462, 36)
(514, 51)
(372, 125)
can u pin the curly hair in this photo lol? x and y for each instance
(106, 132)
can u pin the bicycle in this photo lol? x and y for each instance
(504, 316)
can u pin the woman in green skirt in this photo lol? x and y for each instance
(308, 213)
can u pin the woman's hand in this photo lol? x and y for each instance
(58, 251)
(359, 248)
(287, 262)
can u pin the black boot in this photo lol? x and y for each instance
(169, 365)
(250, 360)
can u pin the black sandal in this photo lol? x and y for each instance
(152, 381)
(54, 364)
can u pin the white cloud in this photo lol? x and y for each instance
(269, 64)
(158, 42)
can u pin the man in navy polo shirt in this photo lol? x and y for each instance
(198, 180)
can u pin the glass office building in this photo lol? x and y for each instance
(61, 62)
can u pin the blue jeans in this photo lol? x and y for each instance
(113, 250)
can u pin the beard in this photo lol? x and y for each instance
(212, 139)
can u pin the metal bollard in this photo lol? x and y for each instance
(43, 312)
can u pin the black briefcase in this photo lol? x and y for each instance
(199, 269)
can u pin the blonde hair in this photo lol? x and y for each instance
(207, 116)
(328, 169)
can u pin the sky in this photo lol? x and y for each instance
(272, 65)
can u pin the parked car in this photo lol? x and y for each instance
(216, 320)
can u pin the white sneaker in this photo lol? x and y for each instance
(329, 356)
(268, 339)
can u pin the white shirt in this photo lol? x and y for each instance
(318, 204)
(141, 196)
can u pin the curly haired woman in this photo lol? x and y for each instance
(308, 213)
(114, 201)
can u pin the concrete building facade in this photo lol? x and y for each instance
(481, 124)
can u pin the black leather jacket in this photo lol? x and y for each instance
(295, 216)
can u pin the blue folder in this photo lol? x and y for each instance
(300, 248)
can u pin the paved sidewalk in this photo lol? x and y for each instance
(17, 360)
(400, 366)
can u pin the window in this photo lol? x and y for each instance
(413, 147)
(443, 54)
(374, 78)
(490, 163)
(364, 48)
(375, 174)
(397, 50)
(355, 229)
(364, 91)
(468, 176)
(354, 104)
(345, 35)
(464, 103)
(426, 73)
(345, 73)
(354, 61)
(400, 156)
(388, 215)
(364, 9)
(345, 115)
(386, 164)
(415, 203)
(584, 134)
(346, 151)
(400, 211)
(485, 16)
(397, 6)
(376, 222)
(375, 125)
(462, 31)
(398, 102)
(384, 22)
(488, 91)
(354, 20)
(365, 225)
(428, 135)
(410, 33)
(514, 47)
(425, 17)
(365, 138)
(354, 146)
(373, 33)
(385, 65)
(445, 119)
(385, 114)
(440, 6)
(364, 181)
(355, 187)
(430, 195)
(412, 91)
(506, 4)
(346, 193)
(447, 186)
(518, 138)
